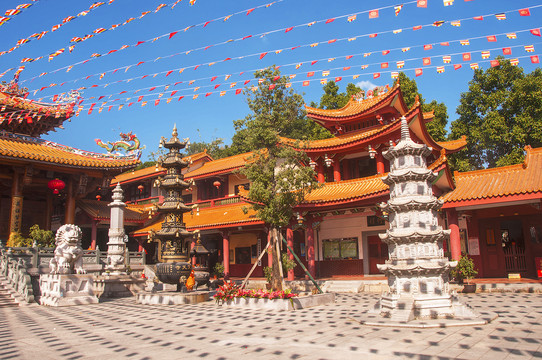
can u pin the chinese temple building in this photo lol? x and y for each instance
(335, 230)
(41, 182)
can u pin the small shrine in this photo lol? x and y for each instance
(417, 270)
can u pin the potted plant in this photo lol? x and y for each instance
(268, 273)
(465, 271)
(218, 270)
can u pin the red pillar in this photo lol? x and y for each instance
(94, 234)
(320, 172)
(226, 251)
(380, 168)
(346, 169)
(141, 248)
(336, 170)
(310, 249)
(455, 243)
(290, 241)
(192, 245)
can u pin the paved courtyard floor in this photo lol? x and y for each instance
(122, 329)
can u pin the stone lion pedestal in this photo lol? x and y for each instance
(67, 290)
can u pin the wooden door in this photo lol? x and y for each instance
(378, 253)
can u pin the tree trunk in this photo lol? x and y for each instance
(276, 281)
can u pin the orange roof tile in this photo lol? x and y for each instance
(101, 210)
(499, 182)
(220, 166)
(354, 107)
(348, 190)
(212, 217)
(44, 117)
(453, 145)
(38, 150)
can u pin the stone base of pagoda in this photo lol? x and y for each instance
(409, 308)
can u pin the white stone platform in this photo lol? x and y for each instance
(114, 286)
(295, 303)
(67, 290)
(172, 297)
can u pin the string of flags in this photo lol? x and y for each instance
(261, 55)
(10, 13)
(491, 38)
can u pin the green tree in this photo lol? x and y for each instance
(278, 179)
(333, 99)
(500, 114)
(436, 127)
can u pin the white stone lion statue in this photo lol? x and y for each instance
(68, 258)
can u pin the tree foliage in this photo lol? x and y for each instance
(500, 114)
(333, 99)
(436, 127)
(279, 181)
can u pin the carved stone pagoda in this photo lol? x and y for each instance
(417, 270)
(174, 266)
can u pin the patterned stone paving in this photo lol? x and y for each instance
(122, 329)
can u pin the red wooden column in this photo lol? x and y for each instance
(226, 251)
(290, 241)
(310, 249)
(346, 169)
(16, 213)
(192, 245)
(380, 167)
(69, 212)
(455, 243)
(320, 171)
(336, 170)
(141, 248)
(94, 234)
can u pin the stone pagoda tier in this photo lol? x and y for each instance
(417, 270)
(175, 262)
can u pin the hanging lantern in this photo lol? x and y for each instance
(98, 197)
(312, 164)
(56, 185)
(217, 184)
(141, 188)
(372, 152)
(328, 161)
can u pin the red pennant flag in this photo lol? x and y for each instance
(535, 32)
(466, 57)
(140, 98)
(306, 83)
(534, 59)
(376, 75)
(426, 61)
(349, 57)
(338, 78)
(216, 86)
(207, 23)
(156, 102)
(172, 34)
(100, 98)
(213, 78)
(524, 12)
(346, 68)
(373, 35)
(331, 41)
(328, 21)
(152, 88)
(492, 38)
(196, 67)
(246, 37)
(238, 91)
(262, 55)
(494, 63)
(289, 29)
(428, 47)
(169, 73)
(373, 14)
(421, 3)
(314, 62)
(272, 86)
(478, 18)
(457, 66)
(246, 82)
(251, 10)
(180, 97)
(507, 51)
(384, 65)
(418, 72)
(385, 52)
(417, 27)
(208, 94)
(173, 93)
(445, 43)
(310, 73)
(139, 63)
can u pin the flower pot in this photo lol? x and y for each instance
(469, 288)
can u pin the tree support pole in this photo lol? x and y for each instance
(254, 266)
(301, 264)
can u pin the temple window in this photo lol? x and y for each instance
(339, 249)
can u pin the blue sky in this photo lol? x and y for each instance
(213, 115)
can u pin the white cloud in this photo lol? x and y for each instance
(366, 85)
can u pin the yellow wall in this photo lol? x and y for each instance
(235, 179)
(241, 240)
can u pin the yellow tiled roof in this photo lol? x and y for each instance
(212, 217)
(37, 150)
(500, 182)
(220, 165)
(353, 107)
(453, 145)
(348, 189)
(101, 210)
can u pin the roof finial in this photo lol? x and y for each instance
(405, 132)
(174, 133)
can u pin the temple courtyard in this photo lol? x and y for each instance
(122, 329)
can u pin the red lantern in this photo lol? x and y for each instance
(141, 187)
(56, 185)
(217, 184)
(98, 197)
